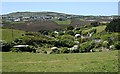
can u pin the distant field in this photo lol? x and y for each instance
(66, 22)
(7, 34)
(80, 62)
(99, 28)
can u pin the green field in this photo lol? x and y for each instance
(66, 22)
(7, 34)
(79, 62)
(99, 28)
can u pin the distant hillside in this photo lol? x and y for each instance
(37, 14)
(36, 26)
(77, 22)
(35, 21)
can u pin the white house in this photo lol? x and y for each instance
(77, 35)
(19, 46)
(17, 20)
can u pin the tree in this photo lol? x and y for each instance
(66, 41)
(70, 28)
(95, 24)
(117, 45)
(113, 26)
(70, 32)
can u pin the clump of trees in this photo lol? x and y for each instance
(87, 46)
(96, 23)
(113, 26)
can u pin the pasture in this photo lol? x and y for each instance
(79, 62)
(7, 34)
(98, 28)
(65, 22)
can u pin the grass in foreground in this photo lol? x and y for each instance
(80, 62)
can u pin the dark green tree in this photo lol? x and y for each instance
(113, 26)
(70, 28)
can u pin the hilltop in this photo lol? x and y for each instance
(37, 14)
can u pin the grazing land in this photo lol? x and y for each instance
(66, 22)
(98, 28)
(7, 34)
(79, 62)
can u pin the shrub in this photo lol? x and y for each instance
(105, 44)
(7, 46)
(66, 41)
(94, 24)
(82, 40)
(70, 32)
(55, 51)
(112, 47)
(113, 26)
(97, 44)
(64, 50)
(86, 47)
(15, 49)
(93, 30)
(84, 33)
(78, 32)
(117, 45)
(70, 28)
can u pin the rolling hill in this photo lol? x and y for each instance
(28, 14)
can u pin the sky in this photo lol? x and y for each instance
(79, 8)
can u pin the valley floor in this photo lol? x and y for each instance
(76, 62)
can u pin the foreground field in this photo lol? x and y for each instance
(81, 62)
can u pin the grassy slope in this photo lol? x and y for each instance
(66, 22)
(7, 34)
(99, 28)
(81, 62)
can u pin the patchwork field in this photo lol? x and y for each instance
(81, 62)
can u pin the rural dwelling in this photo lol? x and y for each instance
(77, 35)
(98, 40)
(20, 46)
(17, 20)
(56, 32)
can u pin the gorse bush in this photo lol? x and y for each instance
(64, 50)
(86, 46)
(69, 32)
(96, 23)
(70, 28)
(66, 40)
(105, 44)
(7, 46)
(117, 45)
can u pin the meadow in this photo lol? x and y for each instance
(7, 34)
(75, 62)
(98, 28)
(65, 22)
